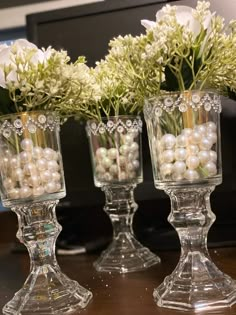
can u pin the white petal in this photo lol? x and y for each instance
(5, 56)
(23, 43)
(12, 76)
(2, 79)
(148, 24)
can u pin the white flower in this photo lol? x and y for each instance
(148, 24)
(184, 16)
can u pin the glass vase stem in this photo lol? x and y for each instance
(120, 206)
(125, 254)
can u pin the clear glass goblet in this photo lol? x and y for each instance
(184, 139)
(31, 182)
(116, 153)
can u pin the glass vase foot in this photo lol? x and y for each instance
(125, 254)
(197, 284)
(48, 291)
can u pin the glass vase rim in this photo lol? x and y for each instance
(164, 93)
(102, 119)
(10, 115)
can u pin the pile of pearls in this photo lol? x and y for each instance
(118, 163)
(31, 173)
(190, 155)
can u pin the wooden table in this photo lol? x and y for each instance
(114, 294)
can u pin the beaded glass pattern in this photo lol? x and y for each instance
(170, 101)
(112, 126)
(44, 121)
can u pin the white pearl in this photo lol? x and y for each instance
(133, 156)
(130, 167)
(50, 187)
(122, 176)
(128, 139)
(168, 141)
(134, 147)
(113, 169)
(131, 175)
(18, 174)
(179, 167)
(101, 153)
(45, 176)
(186, 131)
(121, 161)
(107, 177)
(134, 133)
(212, 136)
(166, 169)
(25, 192)
(136, 164)
(37, 153)
(195, 137)
(41, 164)
(167, 156)
(201, 129)
(106, 162)
(112, 153)
(8, 183)
(177, 176)
(58, 186)
(180, 154)
(124, 149)
(182, 141)
(38, 191)
(56, 176)
(211, 126)
(27, 144)
(49, 154)
(211, 169)
(14, 193)
(192, 162)
(30, 169)
(205, 144)
(191, 175)
(204, 157)
(15, 161)
(53, 166)
(213, 156)
(5, 162)
(25, 157)
(192, 149)
(34, 180)
(100, 169)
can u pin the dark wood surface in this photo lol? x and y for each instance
(113, 294)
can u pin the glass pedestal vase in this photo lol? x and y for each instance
(184, 139)
(32, 181)
(115, 146)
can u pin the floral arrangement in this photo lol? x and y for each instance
(116, 91)
(34, 79)
(184, 49)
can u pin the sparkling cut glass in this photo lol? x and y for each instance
(31, 183)
(116, 153)
(184, 140)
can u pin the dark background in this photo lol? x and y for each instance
(86, 30)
